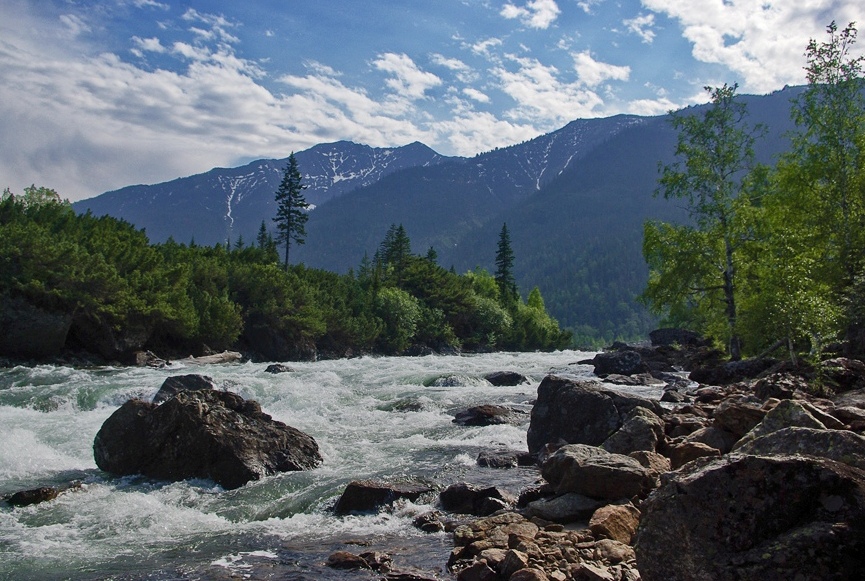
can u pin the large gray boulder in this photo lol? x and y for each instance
(755, 517)
(201, 434)
(839, 445)
(178, 383)
(577, 412)
(596, 473)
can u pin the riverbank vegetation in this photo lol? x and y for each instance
(773, 256)
(110, 292)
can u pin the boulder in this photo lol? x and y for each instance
(714, 437)
(506, 378)
(467, 498)
(641, 430)
(787, 414)
(596, 473)
(33, 496)
(753, 517)
(624, 362)
(615, 521)
(738, 417)
(576, 412)
(346, 561)
(30, 332)
(278, 368)
(731, 371)
(683, 451)
(844, 374)
(201, 434)
(564, 509)
(505, 459)
(486, 415)
(179, 383)
(839, 445)
(371, 495)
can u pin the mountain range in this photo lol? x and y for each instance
(575, 201)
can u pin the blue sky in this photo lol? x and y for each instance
(96, 95)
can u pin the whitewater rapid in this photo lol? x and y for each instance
(384, 418)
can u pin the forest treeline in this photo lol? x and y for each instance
(117, 293)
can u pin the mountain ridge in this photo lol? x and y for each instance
(574, 200)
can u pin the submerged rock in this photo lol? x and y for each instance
(201, 434)
(506, 378)
(370, 495)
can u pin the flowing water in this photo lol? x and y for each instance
(373, 418)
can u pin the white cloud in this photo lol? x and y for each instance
(542, 97)
(642, 27)
(74, 24)
(408, 79)
(588, 6)
(761, 42)
(483, 47)
(476, 95)
(449, 63)
(593, 73)
(536, 13)
(148, 44)
(150, 4)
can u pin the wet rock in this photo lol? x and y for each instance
(278, 368)
(506, 378)
(201, 434)
(576, 412)
(346, 561)
(371, 495)
(466, 498)
(625, 362)
(180, 383)
(486, 415)
(594, 472)
(504, 459)
(430, 522)
(33, 496)
(753, 517)
(148, 359)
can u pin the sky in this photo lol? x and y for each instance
(97, 95)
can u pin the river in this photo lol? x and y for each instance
(387, 418)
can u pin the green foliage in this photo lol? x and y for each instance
(715, 153)
(775, 255)
(190, 297)
(505, 266)
(291, 207)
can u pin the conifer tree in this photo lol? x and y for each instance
(291, 206)
(505, 266)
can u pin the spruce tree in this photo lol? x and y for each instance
(291, 208)
(505, 267)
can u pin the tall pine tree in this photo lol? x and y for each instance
(505, 267)
(291, 208)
